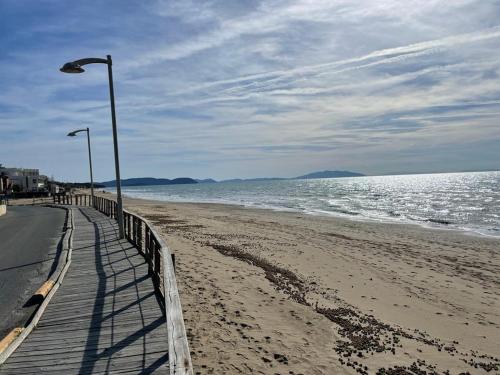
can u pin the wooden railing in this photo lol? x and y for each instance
(161, 263)
(79, 199)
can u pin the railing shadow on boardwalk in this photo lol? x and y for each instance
(104, 318)
(92, 354)
(161, 267)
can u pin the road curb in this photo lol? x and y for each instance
(10, 342)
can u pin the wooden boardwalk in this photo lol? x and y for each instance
(105, 317)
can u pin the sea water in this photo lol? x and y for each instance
(462, 201)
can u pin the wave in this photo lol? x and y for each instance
(448, 201)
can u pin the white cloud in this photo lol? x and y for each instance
(260, 82)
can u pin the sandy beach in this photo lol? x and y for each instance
(271, 292)
(267, 292)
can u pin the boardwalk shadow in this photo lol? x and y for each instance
(122, 325)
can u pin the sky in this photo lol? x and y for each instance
(255, 88)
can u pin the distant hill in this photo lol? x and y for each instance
(323, 174)
(329, 174)
(144, 181)
(255, 179)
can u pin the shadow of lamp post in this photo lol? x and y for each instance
(76, 67)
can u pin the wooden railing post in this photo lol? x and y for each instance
(133, 230)
(157, 268)
(129, 228)
(139, 236)
(125, 223)
(147, 244)
(136, 231)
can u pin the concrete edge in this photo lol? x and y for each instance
(15, 338)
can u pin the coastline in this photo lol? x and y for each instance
(267, 290)
(424, 224)
(446, 200)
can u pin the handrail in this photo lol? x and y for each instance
(161, 263)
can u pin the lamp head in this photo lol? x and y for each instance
(72, 67)
(72, 134)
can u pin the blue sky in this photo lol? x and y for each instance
(252, 88)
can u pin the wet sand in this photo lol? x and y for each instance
(270, 292)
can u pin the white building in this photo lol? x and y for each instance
(24, 180)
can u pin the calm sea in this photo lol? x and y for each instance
(463, 201)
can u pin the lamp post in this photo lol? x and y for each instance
(73, 134)
(76, 67)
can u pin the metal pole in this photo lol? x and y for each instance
(91, 174)
(115, 144)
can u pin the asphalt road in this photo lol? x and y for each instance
(29, 236)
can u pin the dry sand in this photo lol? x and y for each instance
(270, 292)
(267, 292)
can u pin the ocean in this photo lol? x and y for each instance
(462, 201)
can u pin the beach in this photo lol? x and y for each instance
(286, 293)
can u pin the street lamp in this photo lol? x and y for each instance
(76, 67)
(73, 134)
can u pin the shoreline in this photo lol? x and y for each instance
(284, 291)
(337, 216)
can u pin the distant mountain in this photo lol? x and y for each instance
(329, 174)
(144, 181)
(323, 174)
(255, 179)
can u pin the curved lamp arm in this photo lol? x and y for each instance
(73, 133)
(91, 60)
(76, 66)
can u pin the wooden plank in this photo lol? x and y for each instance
(45, 288)
(71, 366)
(61, 344)
(11, 336)
(105, 318)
